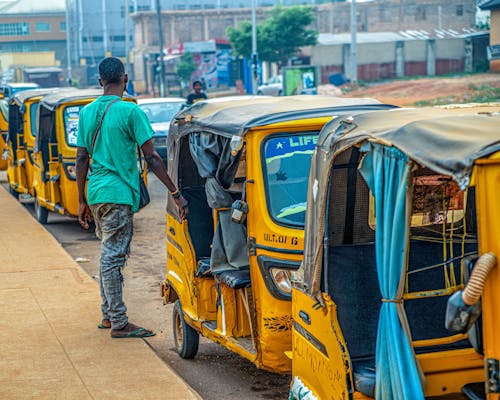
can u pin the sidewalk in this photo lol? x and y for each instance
(50, 347)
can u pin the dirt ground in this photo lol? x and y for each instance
(438, 90)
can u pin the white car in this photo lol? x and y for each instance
(273, 87)
(160, 111)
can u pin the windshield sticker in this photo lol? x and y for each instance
(71, 116)
(290, 146)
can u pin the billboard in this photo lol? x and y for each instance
(299, 80)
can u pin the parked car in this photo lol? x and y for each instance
(273, 87)
(160, 111)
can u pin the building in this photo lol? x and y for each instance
(494, 49)
(32, 34)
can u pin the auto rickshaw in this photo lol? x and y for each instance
(21, 139)
(401, 203)
(4, 129)
(54, 154)
(242, 163)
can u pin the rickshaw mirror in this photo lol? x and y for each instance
(239, 208)
(236, 144)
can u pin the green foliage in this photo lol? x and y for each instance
(185, 67)
(278, 37)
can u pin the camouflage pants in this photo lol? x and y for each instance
(114, 226)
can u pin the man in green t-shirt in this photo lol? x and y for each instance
(113, 186)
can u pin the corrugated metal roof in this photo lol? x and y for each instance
(489, 4)
(32, 7)
(384, 37)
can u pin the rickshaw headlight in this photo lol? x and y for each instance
(278, 275)
(70, 171)
(281, 278)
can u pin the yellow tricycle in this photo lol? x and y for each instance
(242, 163)
(54, 153)
(22, 109)
(402, 235)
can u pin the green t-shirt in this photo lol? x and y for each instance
(115, 176)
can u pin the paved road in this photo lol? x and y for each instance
(215, 373)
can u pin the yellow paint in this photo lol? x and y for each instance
(4, 127)
(20, 174)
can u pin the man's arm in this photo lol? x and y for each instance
(156, 165)
(82, 167)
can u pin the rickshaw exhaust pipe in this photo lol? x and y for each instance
(463, 307)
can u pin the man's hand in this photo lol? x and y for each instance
(84, 215)
(182, 204)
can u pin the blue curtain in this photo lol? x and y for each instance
(386, 170)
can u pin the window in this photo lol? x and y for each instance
(460, 10)
(71, 116)
(287, 160)
(15, 29)
(62, 26)
(33, 109)
(42, 27)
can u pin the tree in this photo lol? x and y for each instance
(279, 37)
(185, 67)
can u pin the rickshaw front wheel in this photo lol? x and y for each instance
(42, 214)
(186, 339)
(13, 192)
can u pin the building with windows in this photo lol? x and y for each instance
(32, 34)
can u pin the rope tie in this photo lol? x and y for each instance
(400, 300)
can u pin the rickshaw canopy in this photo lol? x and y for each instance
(234, 116)
(20, 97)
(447, 140)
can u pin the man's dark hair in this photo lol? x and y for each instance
(111, 70)
(195, 82)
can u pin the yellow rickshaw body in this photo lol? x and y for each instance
(323, 363)
(22, 135)
(4, 129)
(54, 177)
(253, 321)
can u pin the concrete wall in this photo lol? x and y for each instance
(393, 59)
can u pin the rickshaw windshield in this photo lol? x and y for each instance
(71, 115)
(287, 160)
(33, 109)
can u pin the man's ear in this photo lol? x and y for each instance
(101, 82)
(125, 78)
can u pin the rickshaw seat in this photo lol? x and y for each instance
(203, 268)
(235, 279)
(363, 372)
(474, 391)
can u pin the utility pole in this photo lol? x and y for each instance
(127, 40)
(68, 43)
(105, 39)
(255, 57)
(162, 65)
(354, 29)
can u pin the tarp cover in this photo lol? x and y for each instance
(231, 116)
(67, 95)
(447, 140)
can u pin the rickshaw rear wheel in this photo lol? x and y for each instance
(186, 339)
(42, 214)
(13, 192)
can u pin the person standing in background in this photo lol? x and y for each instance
(197, 94)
